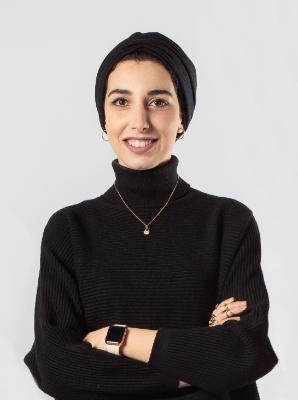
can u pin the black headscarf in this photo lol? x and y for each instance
(164, 49)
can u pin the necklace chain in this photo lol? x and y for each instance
(147, 231)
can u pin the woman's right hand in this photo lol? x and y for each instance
(219, 315)
(183, 384)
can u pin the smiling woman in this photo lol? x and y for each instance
(153, 289)
(145, 96)
(146, 119)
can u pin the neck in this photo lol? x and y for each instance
(148, 187)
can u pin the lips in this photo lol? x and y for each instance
(141, 138)
(141, 150)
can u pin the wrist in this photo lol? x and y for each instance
(138, 344)
(125, 346)
(114, 338)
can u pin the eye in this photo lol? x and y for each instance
(118, 98)
(165, 103)
(162, 103)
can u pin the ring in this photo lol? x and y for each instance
(226, 311)
(213, 320)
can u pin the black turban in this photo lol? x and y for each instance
(171, 56)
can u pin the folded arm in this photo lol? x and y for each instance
(59, 360)
(229, 356)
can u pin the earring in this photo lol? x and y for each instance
(106, 140)
(180, 136)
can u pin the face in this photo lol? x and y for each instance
(141, 104)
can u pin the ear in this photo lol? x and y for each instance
(181, 128)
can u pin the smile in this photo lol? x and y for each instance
(140, 146)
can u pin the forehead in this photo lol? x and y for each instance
(140, 73)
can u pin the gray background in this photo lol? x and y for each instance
(241, 142)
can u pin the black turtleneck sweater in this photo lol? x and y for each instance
(97, 268)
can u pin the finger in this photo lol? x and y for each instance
(221, 322)
(227, 319)
(228, 313)
(227, 301)
(224, 303)
(236, 306)
(183, 384)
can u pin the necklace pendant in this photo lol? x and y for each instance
(146, 231)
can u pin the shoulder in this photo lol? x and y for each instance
(228, 207)
(61, 220)
(233, 218)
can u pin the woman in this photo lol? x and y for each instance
(153, 289)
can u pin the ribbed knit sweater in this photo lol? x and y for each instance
(97, 268)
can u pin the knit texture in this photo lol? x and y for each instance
(98, 268)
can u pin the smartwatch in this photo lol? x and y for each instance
(115, 338)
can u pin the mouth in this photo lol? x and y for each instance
(140, 146)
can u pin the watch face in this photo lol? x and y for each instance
(115, 334)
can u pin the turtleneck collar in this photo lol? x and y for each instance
(148, 187)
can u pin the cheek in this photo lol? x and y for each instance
(114, 125)
(168, 119)
(167, 128)
(166, 141)
(115, 122)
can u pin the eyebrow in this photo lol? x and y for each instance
(151, 92)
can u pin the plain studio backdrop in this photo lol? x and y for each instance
(241, 142)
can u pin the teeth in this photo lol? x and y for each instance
(139, 143)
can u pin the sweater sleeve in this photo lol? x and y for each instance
(225, 357)
(60, 362)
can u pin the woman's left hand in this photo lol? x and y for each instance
(97, 338)
(220, 314)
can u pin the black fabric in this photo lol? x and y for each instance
(98, 268)
(168, 52)
(148, 188)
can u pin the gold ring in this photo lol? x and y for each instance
(226, 311)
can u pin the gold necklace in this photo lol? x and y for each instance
(147, 231)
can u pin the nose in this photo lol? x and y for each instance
(139, 118)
